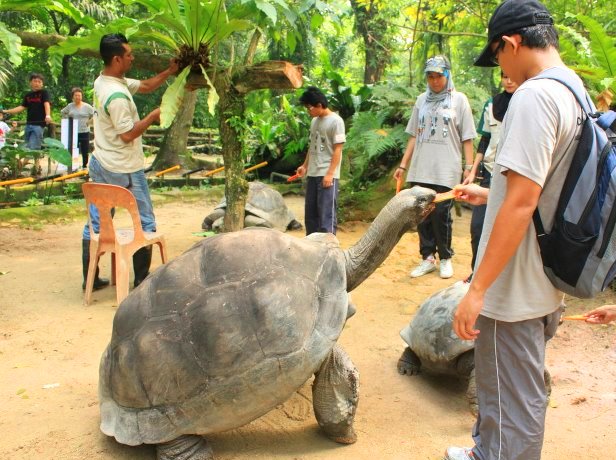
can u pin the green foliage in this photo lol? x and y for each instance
(12, 44)
(593, 54)
(277, 132)
(15, 161)
(370, 144)
(394, 101)
(40, 7)
(34, 200)
(173, 98)
(477, 97)
(57, 151)
(193, 23)
(342, 99)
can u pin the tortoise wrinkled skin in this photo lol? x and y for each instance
(231, 328)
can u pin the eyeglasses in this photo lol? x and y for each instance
(499, 47)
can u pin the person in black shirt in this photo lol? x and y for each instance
(37, 103)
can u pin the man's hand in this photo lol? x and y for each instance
(328, 180)
(466, 315)
(398, 173)
(471, 193)
(301, 171)
(468, 178)
(601, 315)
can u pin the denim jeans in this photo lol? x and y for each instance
(136, 182)
(34, 137)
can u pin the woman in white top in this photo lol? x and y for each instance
(442, 130)
(83, 113)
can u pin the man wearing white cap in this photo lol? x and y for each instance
(512, 308)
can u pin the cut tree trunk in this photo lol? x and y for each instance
(231, 108)
(175, 140)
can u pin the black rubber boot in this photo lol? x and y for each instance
(99, 283)
(141, 264)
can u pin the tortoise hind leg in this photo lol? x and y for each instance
(335, 394)
(188, 447)
(409, 363)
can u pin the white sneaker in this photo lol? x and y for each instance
(426, 266)
(459, 453)
(446, 268)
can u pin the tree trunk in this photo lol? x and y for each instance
(175, 140)
(372, 27)
(231, 114)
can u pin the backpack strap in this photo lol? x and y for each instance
(607, 120)
(567, 79)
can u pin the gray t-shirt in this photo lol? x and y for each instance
(325, 132)
(438, 159)
(82, 114)
(538, 138)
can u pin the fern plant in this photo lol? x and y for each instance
(594, 56)
(370, 143)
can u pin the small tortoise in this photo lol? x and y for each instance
(435, 347)
(233, 327)
(265, 207)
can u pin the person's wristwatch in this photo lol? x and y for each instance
(468, 167)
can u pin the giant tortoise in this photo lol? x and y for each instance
(234, 326)
(265, 207)
(435, 347)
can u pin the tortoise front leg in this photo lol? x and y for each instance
(188, 447)
(335, 394)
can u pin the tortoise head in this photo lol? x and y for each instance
(403, 213)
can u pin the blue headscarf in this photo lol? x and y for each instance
(435, 102)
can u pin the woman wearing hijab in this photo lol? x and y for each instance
(489, 128)
(442, 130)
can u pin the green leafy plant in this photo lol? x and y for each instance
(343, 100)
(191, 29)
(368, 141)
(593, 53)
(57, 152)
(34, 200)
(16, 160)
(276, 131)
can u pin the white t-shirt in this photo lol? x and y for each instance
(538, 138)
(325, 132)
(438, 160)
(115, 114)
(4, 130)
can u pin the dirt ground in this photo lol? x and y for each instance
(50, 346)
